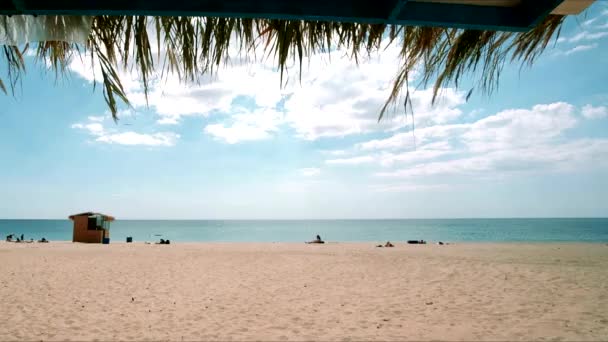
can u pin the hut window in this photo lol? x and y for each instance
(95, 223)
(92, 224)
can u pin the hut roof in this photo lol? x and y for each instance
(90, 213)
(447, 38)
(510, 15)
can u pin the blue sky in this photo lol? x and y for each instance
(238, 147)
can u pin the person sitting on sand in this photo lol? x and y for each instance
(162, 242)
(387, 244)
(317, 240)
(9, 238)
(43, 240)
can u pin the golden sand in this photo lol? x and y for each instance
(280, 291)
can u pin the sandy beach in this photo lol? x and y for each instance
(285, 291)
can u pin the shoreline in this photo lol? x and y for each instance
(353, 243)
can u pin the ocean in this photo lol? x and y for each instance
(454, 230)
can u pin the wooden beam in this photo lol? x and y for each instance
(503, 15)
(396, 10)
(572, 7)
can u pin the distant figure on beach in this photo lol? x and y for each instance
(9, 238)
(317, 240)
(43, 240)
(416, 242)
(22, 239)
(163, 242)
(387, 244)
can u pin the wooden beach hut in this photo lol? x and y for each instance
(90, 227)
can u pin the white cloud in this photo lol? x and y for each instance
(134, 138)
(513, 140)
(591, 112)
(580, 48)
(586, 35)
(172, 99)
(333, 99)
(310, 172)
(246, 126)
(334, 105)
(590, 21)
(407, 140)
(94, 128)
(334, 152)
(96, 118)
(519, 127)
(130, 138)
(409, 187)
(557, 157)
(236, 133)
(426, 153)
(168, 120)
(350, 161)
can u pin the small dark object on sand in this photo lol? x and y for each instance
(317, 240)
(416, 242)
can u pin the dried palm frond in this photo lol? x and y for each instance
(195, 46)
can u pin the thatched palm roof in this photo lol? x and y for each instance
(195, 46)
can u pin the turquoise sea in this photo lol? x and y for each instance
(457, 230)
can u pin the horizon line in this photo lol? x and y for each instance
(330, 219)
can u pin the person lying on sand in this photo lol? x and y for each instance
(43, 240)
(317, 240)
(163, 242)
(388, 244)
